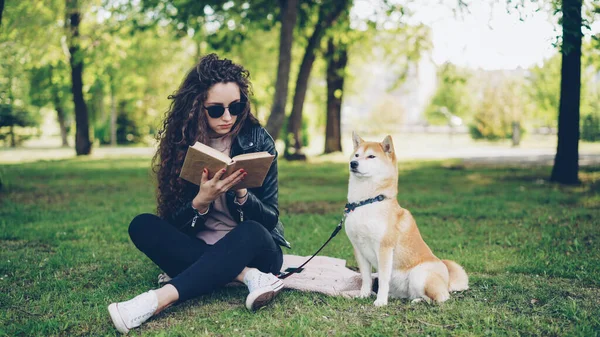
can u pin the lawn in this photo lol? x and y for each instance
(531, 248)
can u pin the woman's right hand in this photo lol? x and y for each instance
(211, 189)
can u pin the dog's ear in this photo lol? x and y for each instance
(356, 140)
(388, 145)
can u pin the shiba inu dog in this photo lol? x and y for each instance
(385, 236)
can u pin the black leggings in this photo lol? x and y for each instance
(198, 268)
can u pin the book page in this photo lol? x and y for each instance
(256, 164)
(212, 152)
(199, 157)
(246, 156)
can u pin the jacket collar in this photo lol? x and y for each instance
(248, 137)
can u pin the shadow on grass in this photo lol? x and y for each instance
(531, 248)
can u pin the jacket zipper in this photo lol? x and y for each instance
(194, 220)
(241, 214)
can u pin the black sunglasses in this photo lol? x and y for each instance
(216, 111)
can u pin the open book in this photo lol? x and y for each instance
(200, 156)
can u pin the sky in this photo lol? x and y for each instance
(490, 37)
(487, 37)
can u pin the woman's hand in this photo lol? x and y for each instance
(211, 189)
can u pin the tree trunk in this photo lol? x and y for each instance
(289, 13)
(1, 10)
(11, 132)
(113, 115)
(326, 19)
(60, 114)
(337, 58)
(63, 127)
(83, 145)
(566, 162)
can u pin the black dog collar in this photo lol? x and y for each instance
(352, 206)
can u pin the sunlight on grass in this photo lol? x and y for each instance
(531, 249)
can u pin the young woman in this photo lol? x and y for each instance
(209, 235)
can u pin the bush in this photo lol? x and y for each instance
(489, 125)
(127, 130)
(489, 128)
(17, 124)
(590, 130)
(102, 133)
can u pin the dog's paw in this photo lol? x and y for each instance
(421, 299)
(380, 302)
(443, 298)
(364, 293)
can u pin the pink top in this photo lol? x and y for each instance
(218, 220)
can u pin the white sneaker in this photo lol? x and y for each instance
(263, 288)
(131, 314)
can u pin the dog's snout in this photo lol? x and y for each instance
(354, 164)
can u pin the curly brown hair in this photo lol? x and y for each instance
(185, 123)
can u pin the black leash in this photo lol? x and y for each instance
(350, 207)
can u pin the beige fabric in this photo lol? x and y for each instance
(218, 220)
(327, 275)
(323, 274)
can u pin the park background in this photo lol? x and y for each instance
(493, 107)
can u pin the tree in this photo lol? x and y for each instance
(329, 11)
(289, 13)
(25, 44)
(1, 10)
(337, 59)
(12, 116)
(566, 161)
(234, 22)
(453, 94)
(544, 91)
(83, 144)
(48, 87)
(500, 111)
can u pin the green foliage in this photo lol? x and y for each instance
(544, 91)
(29, 43)
(453, 95)
(258, 53)
(529, 247)
(102, 133)
(221, 24)
(131, 68)
(289, 138)
(127, 130)
(590, 130)
(500, 106)
(16, 124)
(13, 115)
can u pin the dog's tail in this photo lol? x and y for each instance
(458, 279)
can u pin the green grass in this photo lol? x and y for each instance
(532, 250)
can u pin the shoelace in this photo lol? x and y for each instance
(142, 303)
(260, 282)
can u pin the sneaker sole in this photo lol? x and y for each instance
(116, 318)
(263, 299)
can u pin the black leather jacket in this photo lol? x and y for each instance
(262, 203)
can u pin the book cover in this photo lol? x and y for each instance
(200, 156)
